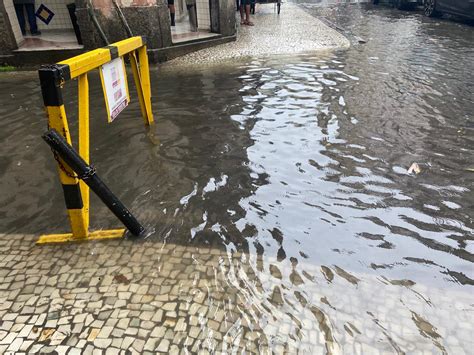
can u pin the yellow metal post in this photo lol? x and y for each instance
(83, 89)
(139, 86)
(72, 193)
(145, 79)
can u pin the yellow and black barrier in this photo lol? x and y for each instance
(87, 173)
(52, 79)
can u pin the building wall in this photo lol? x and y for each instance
(215, 13)
(7, 37)
(15, 27)
(226, 17)
(148, 18)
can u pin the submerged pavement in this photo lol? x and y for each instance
(122, 296)
(294, 31)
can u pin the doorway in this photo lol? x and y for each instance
(56, 28)
(189, 26)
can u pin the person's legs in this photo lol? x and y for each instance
(21, 17)
(192, 17)
(245, 4)
(247, 15)
(172, 11)
(30, 11)
(242, 9)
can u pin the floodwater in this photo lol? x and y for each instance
(302, 165)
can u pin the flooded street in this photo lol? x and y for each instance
(281, 212)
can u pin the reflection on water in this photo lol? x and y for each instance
(295, 171)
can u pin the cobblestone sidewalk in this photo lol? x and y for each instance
(293, 31)
(124, 296)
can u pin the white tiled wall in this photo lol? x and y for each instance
(203, 14)
(13, 20)
(61, 19)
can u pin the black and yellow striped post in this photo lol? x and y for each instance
(52, 79)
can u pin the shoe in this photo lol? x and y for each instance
(37, 33)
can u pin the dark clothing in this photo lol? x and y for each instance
(21, 2)
(191, 6)
(30, 12)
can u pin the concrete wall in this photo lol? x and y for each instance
(7, 36)
(223, 17)
(15, 26)
(148, 18)
(227, 17)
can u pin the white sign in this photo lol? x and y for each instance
(114, 83)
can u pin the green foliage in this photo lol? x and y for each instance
(5, 68)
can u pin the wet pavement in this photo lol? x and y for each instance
(283, 217)
(293, 31)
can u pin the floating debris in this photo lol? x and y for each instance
(46, 334)
(121, 279)
(414, 168)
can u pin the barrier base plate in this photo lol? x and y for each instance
(68, 237)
